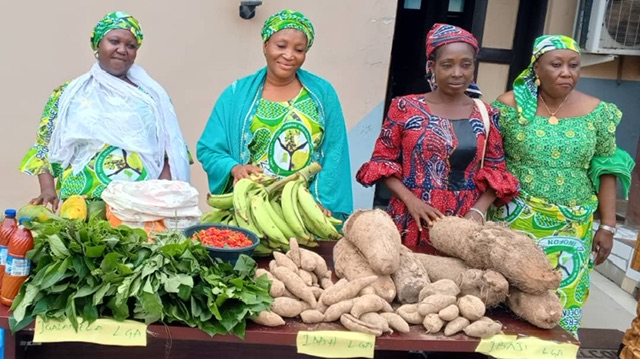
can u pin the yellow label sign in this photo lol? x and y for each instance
(336, 344)
(102, 331)
(512, 347)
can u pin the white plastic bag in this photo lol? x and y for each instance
(151, 200)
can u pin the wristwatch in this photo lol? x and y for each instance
(609, 229)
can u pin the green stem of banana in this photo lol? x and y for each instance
(305, 173)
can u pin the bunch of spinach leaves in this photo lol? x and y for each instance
(92, 270)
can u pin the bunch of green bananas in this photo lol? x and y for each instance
(275, 213)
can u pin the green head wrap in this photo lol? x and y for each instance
(288, 19)
(525, 90)
(116, 20)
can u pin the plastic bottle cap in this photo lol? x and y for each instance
(23, 219)
(10, 212)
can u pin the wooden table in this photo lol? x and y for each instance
(281, 341)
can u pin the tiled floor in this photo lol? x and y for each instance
(608, 306)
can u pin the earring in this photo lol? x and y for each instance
(537, 83)
(95, 54)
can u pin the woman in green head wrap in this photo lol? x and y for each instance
(112, 123)
(279, 120)
(561, 145)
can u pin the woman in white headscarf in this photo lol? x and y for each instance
(112, 123)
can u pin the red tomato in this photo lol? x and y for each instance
(222, 238)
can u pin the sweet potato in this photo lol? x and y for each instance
(268, 319)
(396, 322)
(295, 285)
(449, 313)
(356, 325)
(288, 294)
(272, 265)
(336, 294)
(367, 290)
(349, 263)
(471, 307)
(277, 287)
(455, 236)
(482, 329)
(516, 256)
(288, 307)
(319, 266)
(410, 277)
(376, 237)
(294, 252)
(317, 291)
(305, 276)
(312, 316)
(455, 326)
(443, 286)
(442, 267)
(336, 310)
(435, 303)
(339, 283)
(325, 283)
(369, 303)
(432, 323)
(284, 261)
(375, 319)
(488, 285)
(544, 311)
(409, 312)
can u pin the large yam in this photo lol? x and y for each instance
(410, 277)
(442, 267)
(376, 237)
(518, 259)
(455, 236)
(349, 263)
(490, 286)
(544, 310)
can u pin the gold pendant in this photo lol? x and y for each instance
(553, 120)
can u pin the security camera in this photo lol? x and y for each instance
(248, 8)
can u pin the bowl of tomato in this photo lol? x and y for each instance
(224, 241)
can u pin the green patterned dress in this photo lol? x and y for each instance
(554, 164)
(109, 164)
(285, 134)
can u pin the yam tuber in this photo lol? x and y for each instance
(455, 237)
(442, 267)
(410, 278)
(349, 263)
(488, 285)
(483, 329)
(544, 311)
(284, 261)
(409, 312)
(369, 303)
(375, 319)
(307, 256)
(294, 251)
(305, 276)
(376, 236)
(435, 303)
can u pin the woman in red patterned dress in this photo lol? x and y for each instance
(429, 152)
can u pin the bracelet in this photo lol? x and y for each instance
(612, 230)
(474, 209)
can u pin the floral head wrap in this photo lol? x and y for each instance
(116, 20)
(524, 89)
(288, 19)
(444, 34)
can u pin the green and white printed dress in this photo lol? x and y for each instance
(110, 163)
(285, 134)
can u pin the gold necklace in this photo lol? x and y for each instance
(553, 120)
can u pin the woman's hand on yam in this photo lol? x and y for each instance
(420, 211)
(244, 171)
(602, 245)
(47, 197)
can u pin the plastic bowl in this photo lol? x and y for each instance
(225, 254)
